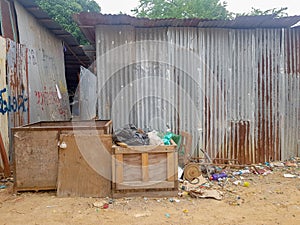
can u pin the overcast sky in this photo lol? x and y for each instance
(237, 6)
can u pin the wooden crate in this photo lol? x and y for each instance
(35, 151)
(145, 171)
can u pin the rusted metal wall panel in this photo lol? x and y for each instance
(17, 83)
(236, 91)
(16, 105)
(46, 73)
(290, 95)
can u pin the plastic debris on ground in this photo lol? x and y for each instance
(231, 182)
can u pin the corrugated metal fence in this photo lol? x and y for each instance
(236, 91)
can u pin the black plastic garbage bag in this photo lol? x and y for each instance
(131, 136)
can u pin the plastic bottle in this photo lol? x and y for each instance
(217, 176)
(240, 172)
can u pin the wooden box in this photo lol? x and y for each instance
(145, 171)
(35, 151)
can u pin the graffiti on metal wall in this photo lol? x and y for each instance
(13, 103)
(46, 97)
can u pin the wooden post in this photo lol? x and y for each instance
(4, 158)
(119, 168)
(145, 167)
(170, 166)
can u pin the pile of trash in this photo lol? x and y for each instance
(213, 181)
(133, 136)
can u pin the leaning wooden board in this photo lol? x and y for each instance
(84, 165)
(144, 170)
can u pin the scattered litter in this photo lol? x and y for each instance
(278, 164)
(240, 172)
(246, 184)
(105, 206)
(142, 215)
(215, 194)
(185, 211)
(180, 173)
(237, 182)
(218, 176)
(291, 164)
(167, 215)
(2, 186)
(99, 204)
(288, 175)
(174, 200)
(51, 206)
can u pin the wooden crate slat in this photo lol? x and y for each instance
(119, 168)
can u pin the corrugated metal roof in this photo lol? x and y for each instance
(75, 55)
(88, 20)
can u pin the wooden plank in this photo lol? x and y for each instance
(135, 185)
(176, 168)
(146, 185)
(108, 127)
(113, 171)
(35, 160)
(186, 146)
(141, 149)
(145, 167)
(132, 167)
(157, 166)
(146, 193)
(84, 166)
(4, 158)
(119, 168)
(122, 144)
(170, 166)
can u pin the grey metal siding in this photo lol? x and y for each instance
(236, 91)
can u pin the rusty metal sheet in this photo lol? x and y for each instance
(3, 96)
(17, 105)
(235, 90)
(48, 95)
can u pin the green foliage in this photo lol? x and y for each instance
(208, 9)
(62, 11)
(257, 12)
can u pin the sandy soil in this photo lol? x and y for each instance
(271, 199)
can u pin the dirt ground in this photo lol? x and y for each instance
(270, 199)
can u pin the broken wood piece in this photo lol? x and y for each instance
(122, 144)
(4, 158)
